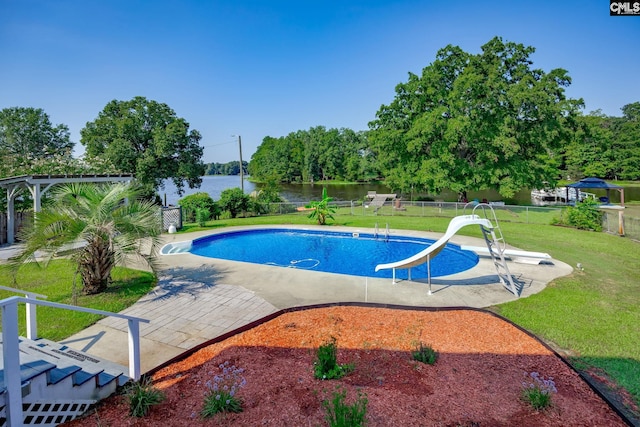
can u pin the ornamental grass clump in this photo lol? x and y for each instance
(221, 395)
(425, 354)
(537, 391)
(341, 414)
(326, 366)
(141, 396)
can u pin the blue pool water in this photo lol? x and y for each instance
(331, 252)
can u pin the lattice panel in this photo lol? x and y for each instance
(172, 216)
(49, 413)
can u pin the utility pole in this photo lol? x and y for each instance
(241, 167)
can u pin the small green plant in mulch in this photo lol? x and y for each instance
(425, 353)
(141, 396)
(341, 414)
(537, 391)
(221, 395)
(326, 366)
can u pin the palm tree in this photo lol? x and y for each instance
(99, 226)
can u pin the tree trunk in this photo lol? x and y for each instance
(96, 262)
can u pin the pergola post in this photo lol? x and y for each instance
(35, 193)
(11, 214)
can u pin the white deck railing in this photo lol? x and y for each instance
(31, 320)
(11, 350)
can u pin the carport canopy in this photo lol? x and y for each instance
(39, 185)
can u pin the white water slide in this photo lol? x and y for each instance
(427, 254)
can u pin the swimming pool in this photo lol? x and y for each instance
(350, 253)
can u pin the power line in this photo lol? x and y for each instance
(216, 145)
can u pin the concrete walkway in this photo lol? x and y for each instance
(200, 298)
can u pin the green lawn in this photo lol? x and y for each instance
(56, 282)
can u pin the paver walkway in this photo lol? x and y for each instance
(183, 313)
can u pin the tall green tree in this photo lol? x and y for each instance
(475, 121)
(279, 158)
(111, 223)
(589, 151)
(313, 155)
(146, 138)
(27, 136)
(627, 143)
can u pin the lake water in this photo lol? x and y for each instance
(215, 184)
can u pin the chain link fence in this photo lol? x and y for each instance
(543, 215)
(630, 225)
(509, 213)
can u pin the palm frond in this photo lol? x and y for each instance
(83, 218)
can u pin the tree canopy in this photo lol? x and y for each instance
(146, 138)
(313, 155)
(28, 137)
(605, 146)
(475, 121)
(230, 168)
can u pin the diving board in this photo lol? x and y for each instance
(524, 257)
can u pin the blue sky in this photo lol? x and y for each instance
(268, 68)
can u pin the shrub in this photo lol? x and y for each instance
(221, 395)
(425, 354)
(341, 414)
(202, 216)
(326, 366)
(141, 396)
(537, 391)
(191, 203)
(584, 215)
(234, 201)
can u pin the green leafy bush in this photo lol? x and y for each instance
(191, 203)
(141, 396)
(584, 215)
(341, 414)
(202, 216)
(425, 354)
(326, 366)
(234, 201)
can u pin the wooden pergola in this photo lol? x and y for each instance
(39, 185)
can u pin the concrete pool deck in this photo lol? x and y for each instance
(199, 298)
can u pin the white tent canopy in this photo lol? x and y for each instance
(39, 185)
